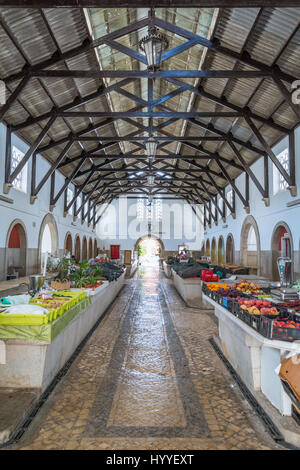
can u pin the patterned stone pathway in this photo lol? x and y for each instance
(147, 379)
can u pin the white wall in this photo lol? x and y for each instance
(119, 225)
(266, 217)
(32, 214)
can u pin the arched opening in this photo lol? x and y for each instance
(90, 249)
(229, 249)
(95, 248)
(48, 238)
(84, 248)
(150, 249)
(220, 251)
(281, 245)
(68, 244)
(77, 253)
(16, 250)
(250, 245)
(207, 248)
(213, 251)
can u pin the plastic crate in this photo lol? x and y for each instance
(270, 331)
(249, 318)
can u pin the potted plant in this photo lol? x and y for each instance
(61, 280)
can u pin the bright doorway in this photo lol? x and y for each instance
(149, 252)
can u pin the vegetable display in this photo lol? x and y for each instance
(248, 302)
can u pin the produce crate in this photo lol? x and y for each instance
(270, 331)
(251, 320)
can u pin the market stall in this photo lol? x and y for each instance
(256, 331)
(38, 333)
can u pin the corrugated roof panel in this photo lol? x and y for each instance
(271, 32)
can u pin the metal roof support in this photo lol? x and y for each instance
(215, 46)
(78, 191)
(84, 47)
(211, 128)
(14, 96)
(233, 185)
(271, 154)
(286, 94)
(221, 193)
(224, 102)
(213, 200)
(78, 101)
(7, 171)
(30, 151)
(36, 189)
(264, 191)
(292, 162)
(68, 180)
(149, 74)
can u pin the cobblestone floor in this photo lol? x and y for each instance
(147, 379)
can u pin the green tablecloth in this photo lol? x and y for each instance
(44, 332)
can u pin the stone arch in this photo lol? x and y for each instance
(95, 248)
(90, 248)
(145, 237)
(207, 248)
(278, 231)
(16, 249)
(229, 250)
(213, 251)
(250, 258)
(220, 250)
(84, 253)
(77, 248)
(68, 244)
(51, 222)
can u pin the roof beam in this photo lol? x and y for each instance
(150, 74)
(146, 3)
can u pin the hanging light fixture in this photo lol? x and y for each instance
(153, 46)
(151, 146)
(150, 180)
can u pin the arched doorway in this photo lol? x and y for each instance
(281, 245)
(77, 253)
(207, 249)
(229, 249)
(250, 245)
(16, 249)
(95, 248)
(147, 237)
(90, 249)
(68, 244)
(220, 251)
(150, 249)
(84, 248)
(213, 251)
(48, 238)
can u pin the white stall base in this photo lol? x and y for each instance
(254, 357)
(167, 269)
(190, 289)
(33, 364)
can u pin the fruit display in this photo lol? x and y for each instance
(250, 304)
(232, 294)
(248, 287)
(286, 323)
(213, 286)
(57, 303)
(258, 307)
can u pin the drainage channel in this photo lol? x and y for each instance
(21, 428)
(263, 416)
